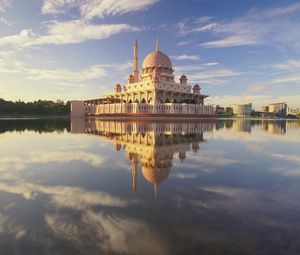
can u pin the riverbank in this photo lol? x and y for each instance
(31, 117)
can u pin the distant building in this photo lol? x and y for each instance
(293, 112)
(219, 110)
(242, 110)
(265, 108)
(228, 109)
(278, 109)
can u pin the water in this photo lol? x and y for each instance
(92, 187)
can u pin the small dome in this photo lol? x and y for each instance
(183, 77)
(157, 59)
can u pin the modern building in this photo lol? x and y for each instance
(242, 110)
(149, 92)
(278, 110)
(220, 110)
(292, 111)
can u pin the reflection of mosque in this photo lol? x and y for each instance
(152, 145)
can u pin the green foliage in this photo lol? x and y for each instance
(298, 116)
(40, 107)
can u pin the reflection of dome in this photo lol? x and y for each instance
(157, 59)
(154, 174)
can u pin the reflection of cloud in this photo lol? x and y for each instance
(184, 176)
(64, 196)
(9, 165)
(9, 228)
(107, 232)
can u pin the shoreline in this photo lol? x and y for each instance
(33, 117)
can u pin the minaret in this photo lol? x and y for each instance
(135, 62)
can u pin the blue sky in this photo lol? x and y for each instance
(238, 51)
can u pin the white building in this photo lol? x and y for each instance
(242, 110)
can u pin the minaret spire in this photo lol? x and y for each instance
(135, 61)
(157, 44)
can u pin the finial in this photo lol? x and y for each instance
(135, 42)
(157, 44)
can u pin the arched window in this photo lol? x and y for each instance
(143, 101)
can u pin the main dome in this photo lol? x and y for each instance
(157, 59)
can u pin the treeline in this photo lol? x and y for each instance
(40, 107)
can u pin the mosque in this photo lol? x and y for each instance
(149, 92)
(149, 146)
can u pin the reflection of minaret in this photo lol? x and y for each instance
(134, 162)
(155, 189)
(135, 62)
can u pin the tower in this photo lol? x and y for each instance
(135, 62)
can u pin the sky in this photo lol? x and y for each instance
(238, 51)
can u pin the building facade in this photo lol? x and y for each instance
(242, 110)
(278, 109)
(151, 91)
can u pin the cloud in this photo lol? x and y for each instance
(289, 65)
(5, 22)
(4, 5)
(186, 57)
(257, 87)
(90, 9)
(277, 27)
(230, 42)
(58, 6)
(188, 68)
(283, 10)
(59, 74)
(75, 31)
(183, 43)
(209, 74)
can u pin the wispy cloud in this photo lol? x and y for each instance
(273, 26)
(76, 31)
(289, 65)
(4, 5)
(97, 8)
(59, 74)
(4, 21)
(290, 79)
(186, 57)
(183, 43)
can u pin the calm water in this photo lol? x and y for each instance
(92, 187)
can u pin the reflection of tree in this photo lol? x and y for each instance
(37, 125)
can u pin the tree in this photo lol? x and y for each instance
(40, 107)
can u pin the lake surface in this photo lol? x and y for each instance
(104, 187)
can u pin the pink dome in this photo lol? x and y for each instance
(157, 59)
